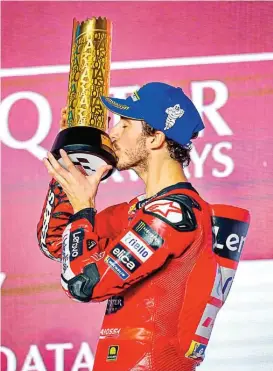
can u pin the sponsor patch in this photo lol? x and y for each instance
(166, 209)
(125, 258)
(114, 304)
(91, 244)
(135, 96)
(112, 353)
(76, 243)
(66, 258)
(196, 351)
(132, 209)
(207, 321)
(217, 286)
(148, 234)
(173, 113)
(229, 237)
(65, 262)
(116, 267)
(109, 332)
(227, 275)
(139, 248)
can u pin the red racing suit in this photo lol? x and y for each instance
(165, 264)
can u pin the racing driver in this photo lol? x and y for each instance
(165, 260)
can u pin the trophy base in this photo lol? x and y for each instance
(87, 147)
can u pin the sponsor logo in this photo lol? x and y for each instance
(222, 284)
(148, 234)
(114, 304)
(112, 353)
(47, 214)
(135, 96)
(76, 243)
(196, 350)
(207, 321)
(116, 267)
(229, 237)
(65, 261)
(217, 286)
(132, 209)
(173, 113)
(169, 210)
(65, 241)
(91, 244)
(66, 257)
(227, 275)
(125, 258)
(139, 248)
(109, 332)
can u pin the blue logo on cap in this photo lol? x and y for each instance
(163, 107)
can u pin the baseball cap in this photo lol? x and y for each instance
(164, 107)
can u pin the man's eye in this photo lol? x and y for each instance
(124, 126)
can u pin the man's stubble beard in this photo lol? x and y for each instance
(135, 158)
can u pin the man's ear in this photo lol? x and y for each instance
(156, 140)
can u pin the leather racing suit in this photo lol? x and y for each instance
(165, 264)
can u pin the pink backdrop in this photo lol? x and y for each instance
(232, 162)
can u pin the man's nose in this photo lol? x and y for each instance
(114, 133)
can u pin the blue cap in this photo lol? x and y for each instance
(163, 107)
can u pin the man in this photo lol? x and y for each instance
(153, 257)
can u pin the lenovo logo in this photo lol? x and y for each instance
(229, 237)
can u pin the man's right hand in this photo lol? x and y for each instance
(63, 121)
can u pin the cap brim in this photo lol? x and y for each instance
(121, 107)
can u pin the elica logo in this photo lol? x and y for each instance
(47, 214)
(229, 238)
(126, 259)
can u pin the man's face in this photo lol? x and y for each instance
(129, 144)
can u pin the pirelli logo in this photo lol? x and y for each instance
(148, 234)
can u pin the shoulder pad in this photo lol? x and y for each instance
(175, 210)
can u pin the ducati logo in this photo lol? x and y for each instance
(169, 210)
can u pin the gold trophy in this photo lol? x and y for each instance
(85, 139)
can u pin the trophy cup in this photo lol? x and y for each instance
(85, 139)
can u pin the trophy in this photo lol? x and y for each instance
(85, 139)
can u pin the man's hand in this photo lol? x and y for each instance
(81, 190)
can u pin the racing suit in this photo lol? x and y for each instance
(165, 264)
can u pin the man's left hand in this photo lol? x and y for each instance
(80, 189)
